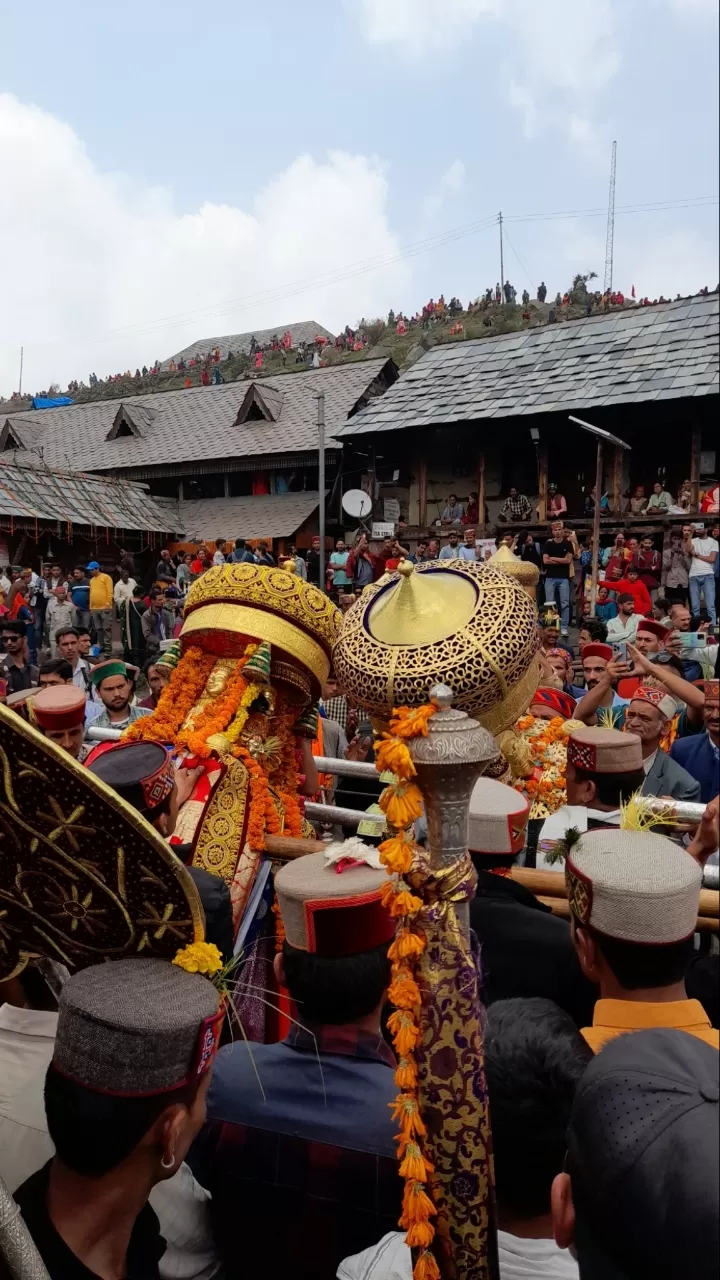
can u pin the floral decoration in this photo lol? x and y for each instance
(547, 742)
(180, 695)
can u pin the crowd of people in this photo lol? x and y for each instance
(204, 368)
(142, 1140)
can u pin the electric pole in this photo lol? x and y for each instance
(610, 238)
(321, 484)
(502, 268)
(22, 351)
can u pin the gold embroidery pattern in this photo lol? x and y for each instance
(274, 589)
(221, 831)
(82, 876)
(579, 896)
(488, 662)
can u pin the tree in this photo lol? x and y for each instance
(578, 293)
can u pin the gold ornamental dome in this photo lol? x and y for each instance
(523, 571)
(458, 623)
(232, 603)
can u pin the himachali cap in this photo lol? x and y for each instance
(497, 820)
(62, 707)
(136, 1028)
(113, 667)
(654, 628)
(658, 697)
(563, 704)
(711, 689)
(643, 1159)
(333, 910)
(596, 649)
(635, 886)
(604, 751)
(141, 772)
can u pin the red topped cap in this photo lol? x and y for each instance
(596, 649)
(655, 628)
(60, 707)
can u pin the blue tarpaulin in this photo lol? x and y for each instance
(50, 402)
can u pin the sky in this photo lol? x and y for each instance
(170, 172)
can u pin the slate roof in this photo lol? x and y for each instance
(303, 331)
(648, 353)
(272, 516)
(197, 424)
(30, 491)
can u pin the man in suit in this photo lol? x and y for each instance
(648, 716)
(700, 754)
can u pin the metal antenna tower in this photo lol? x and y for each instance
(610, 239)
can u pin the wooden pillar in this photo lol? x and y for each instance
(617, 480)
(695, 448)
(422, 493)
(481, 493)
(542, 481)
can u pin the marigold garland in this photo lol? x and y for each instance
(286, 780)
(218, 713)
(180, 695)
(402, 803)
(547, 741)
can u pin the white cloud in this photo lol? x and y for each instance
(98, 262)
(564, 51)
(449, 184)
(421, 26)
(665, 261)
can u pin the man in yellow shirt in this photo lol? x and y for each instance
(101, 602)
(633, 906)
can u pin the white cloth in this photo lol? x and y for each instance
(702, 547)
(519, 1259)
(621, 628)
(570, 815)
(27, 1037)
(648, 764)
(218, 558)
(81, 678)
(467, 553)
(122, 591)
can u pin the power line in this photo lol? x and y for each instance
(328, 279)
(522, 264)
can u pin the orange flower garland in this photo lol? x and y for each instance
(217, 714)
(285, 778)
(402, 803)
(176, 701)
(263, 814)
(547, 740)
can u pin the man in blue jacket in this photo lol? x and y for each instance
(700, 753)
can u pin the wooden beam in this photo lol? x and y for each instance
(695, 448)
(542, 482)
(481, 492)
(422, 493)
(617, 479)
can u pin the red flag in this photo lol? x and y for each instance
(633, 291)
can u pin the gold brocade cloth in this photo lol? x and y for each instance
(452, 1092)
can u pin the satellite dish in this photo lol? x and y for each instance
(357, 503)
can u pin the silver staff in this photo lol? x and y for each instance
(17, 1247)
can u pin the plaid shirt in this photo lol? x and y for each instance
(336, 709)
(307, 1176)
(517, 508)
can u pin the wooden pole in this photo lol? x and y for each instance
(695, 448)
(542, 482)
(481, 491)
(596, 528)
(617, 477)
(422, 493)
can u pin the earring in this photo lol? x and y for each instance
(168, 1164)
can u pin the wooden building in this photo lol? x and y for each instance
(484, 415)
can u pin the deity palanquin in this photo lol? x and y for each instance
(253, 654)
